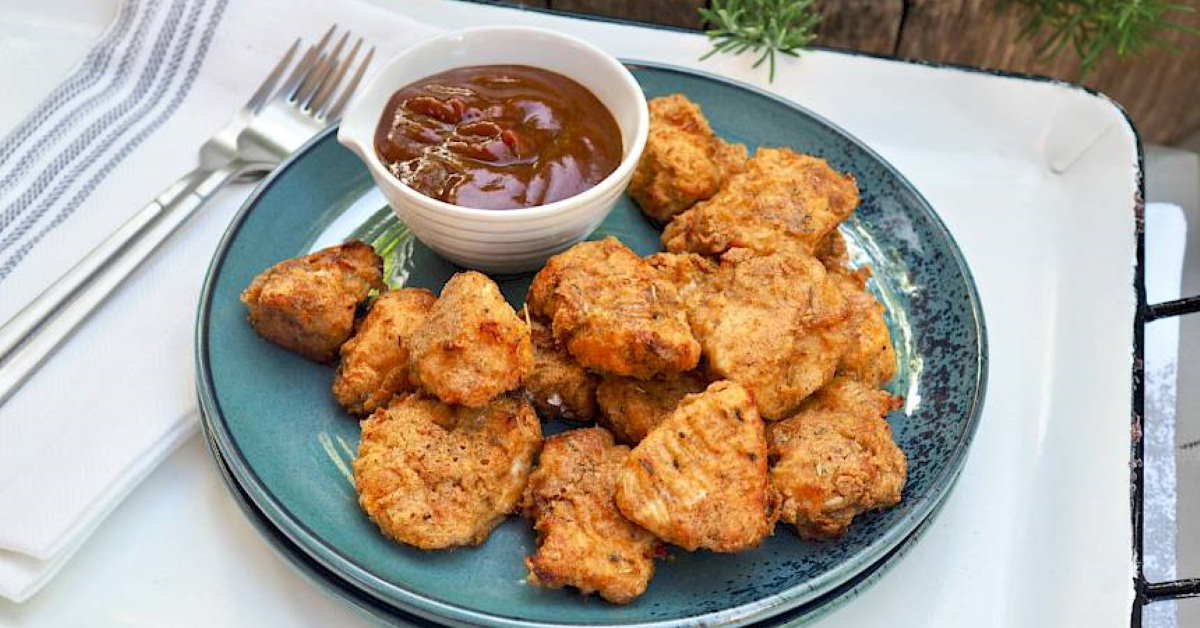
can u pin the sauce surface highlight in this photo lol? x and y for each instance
(498, 137)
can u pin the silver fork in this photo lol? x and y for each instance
(272, 124)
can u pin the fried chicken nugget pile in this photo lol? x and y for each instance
(774, 323)
(307, 304)
(756, 291)
(699, 480)
(631, 408)
(557, 385)
(783, 200)
(472, 347)
(583, 541)
(836, 458)
(683, 162)
(434, 476)
(613, 312)
(375, 360)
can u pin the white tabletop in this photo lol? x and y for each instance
(178, 552)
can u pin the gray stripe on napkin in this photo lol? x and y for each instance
(78, 114)
(134, 139)
(84, 77)
(70, 158)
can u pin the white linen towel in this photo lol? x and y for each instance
(119, 396)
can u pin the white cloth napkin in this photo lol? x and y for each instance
(119, 396)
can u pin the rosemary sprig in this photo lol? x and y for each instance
(1092, 27)
(769, 26)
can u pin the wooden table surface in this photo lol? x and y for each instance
(1159, 90)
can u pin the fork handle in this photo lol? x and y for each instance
(33, 314)
(40, 327)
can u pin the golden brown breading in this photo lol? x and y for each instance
(832, 253)
(870, 357)
(613, 312)
(473, 346)
(307, 304)
(836, 458)
(731, 158)
(699, 480)
(583, 541)
(434, 476)
(783, 200)
(375, 360)
(558, 386)
(683, 161)
(631, 408)
(688, 272)
(774, 323)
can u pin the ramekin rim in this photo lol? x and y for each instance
(614, 179)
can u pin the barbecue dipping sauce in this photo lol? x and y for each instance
(498, 137)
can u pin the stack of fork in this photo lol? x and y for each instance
(270, 126)
(118, 396)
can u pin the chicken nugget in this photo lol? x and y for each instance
(870, 357)
(375, 360)
(613, 312)
(836, 458)
(307, 304)
(783, 200)
(557, 385)
(699, 480)
(473, 346)
(583, 541)
(433, 475)
(683, 161)
(688, 272)
(831, 251)
(731, 158)
(774, 323)
(631, 408)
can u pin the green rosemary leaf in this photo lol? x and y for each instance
(1097, 27)
(769, 26)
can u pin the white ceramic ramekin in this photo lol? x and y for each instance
(513, 240)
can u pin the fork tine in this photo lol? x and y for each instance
(332, 80)
(311, 86)
(335, 111)
(330, 62)
(288, 89)
(260, 96)
(337, 49)
(304, 68)
(311, 80)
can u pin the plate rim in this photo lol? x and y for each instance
(438, 610)
(316, 574)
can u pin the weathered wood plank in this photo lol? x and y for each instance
(866, 25)
(1158, 90)
(869, 25)
(672, 12)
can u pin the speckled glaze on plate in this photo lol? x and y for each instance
(379, 611)
(288, 444)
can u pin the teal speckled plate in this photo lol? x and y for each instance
(288, 444)
(378, 610)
